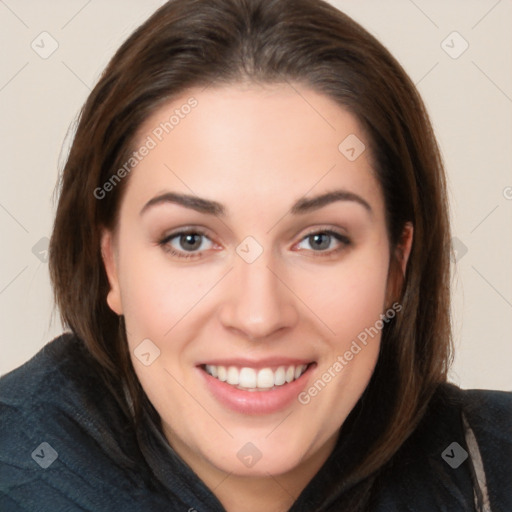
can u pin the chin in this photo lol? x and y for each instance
(258, 455)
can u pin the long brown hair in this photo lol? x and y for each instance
(199, 42)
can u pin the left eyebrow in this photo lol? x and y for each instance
(315, 203)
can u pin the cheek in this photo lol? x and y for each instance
(350, 296)
(157, 295)
(350, 302)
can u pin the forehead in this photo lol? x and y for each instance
(262, 143)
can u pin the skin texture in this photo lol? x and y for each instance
(256, 150)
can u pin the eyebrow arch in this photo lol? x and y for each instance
(209, 207)
(306, 205)
(192, 202)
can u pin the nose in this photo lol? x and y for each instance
(258, 303)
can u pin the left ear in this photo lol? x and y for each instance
(398, 264)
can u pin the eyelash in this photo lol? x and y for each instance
(164, 243)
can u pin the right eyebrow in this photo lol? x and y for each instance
(193, 202)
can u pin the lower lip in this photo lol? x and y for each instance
(256, 402)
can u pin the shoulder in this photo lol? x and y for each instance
(478, 400)
(59, 388)
(487, 417)
(486, 414)
(437, 467)
(65, 438)
(57, 367)
(488, 408)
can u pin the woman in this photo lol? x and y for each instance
(251, 251)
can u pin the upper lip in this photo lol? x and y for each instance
(257, 364)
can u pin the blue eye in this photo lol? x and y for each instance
(323, 241)
(185, 244)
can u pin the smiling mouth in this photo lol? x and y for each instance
(251, 379)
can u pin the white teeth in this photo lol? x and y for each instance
(212, 370)
(280, 376)
(222, 373)
(252, 379)
(298, 371)
(265, 378)
(247, 378)
(232, 376)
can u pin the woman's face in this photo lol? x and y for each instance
(250, 262)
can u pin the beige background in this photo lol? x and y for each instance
(469, 99)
